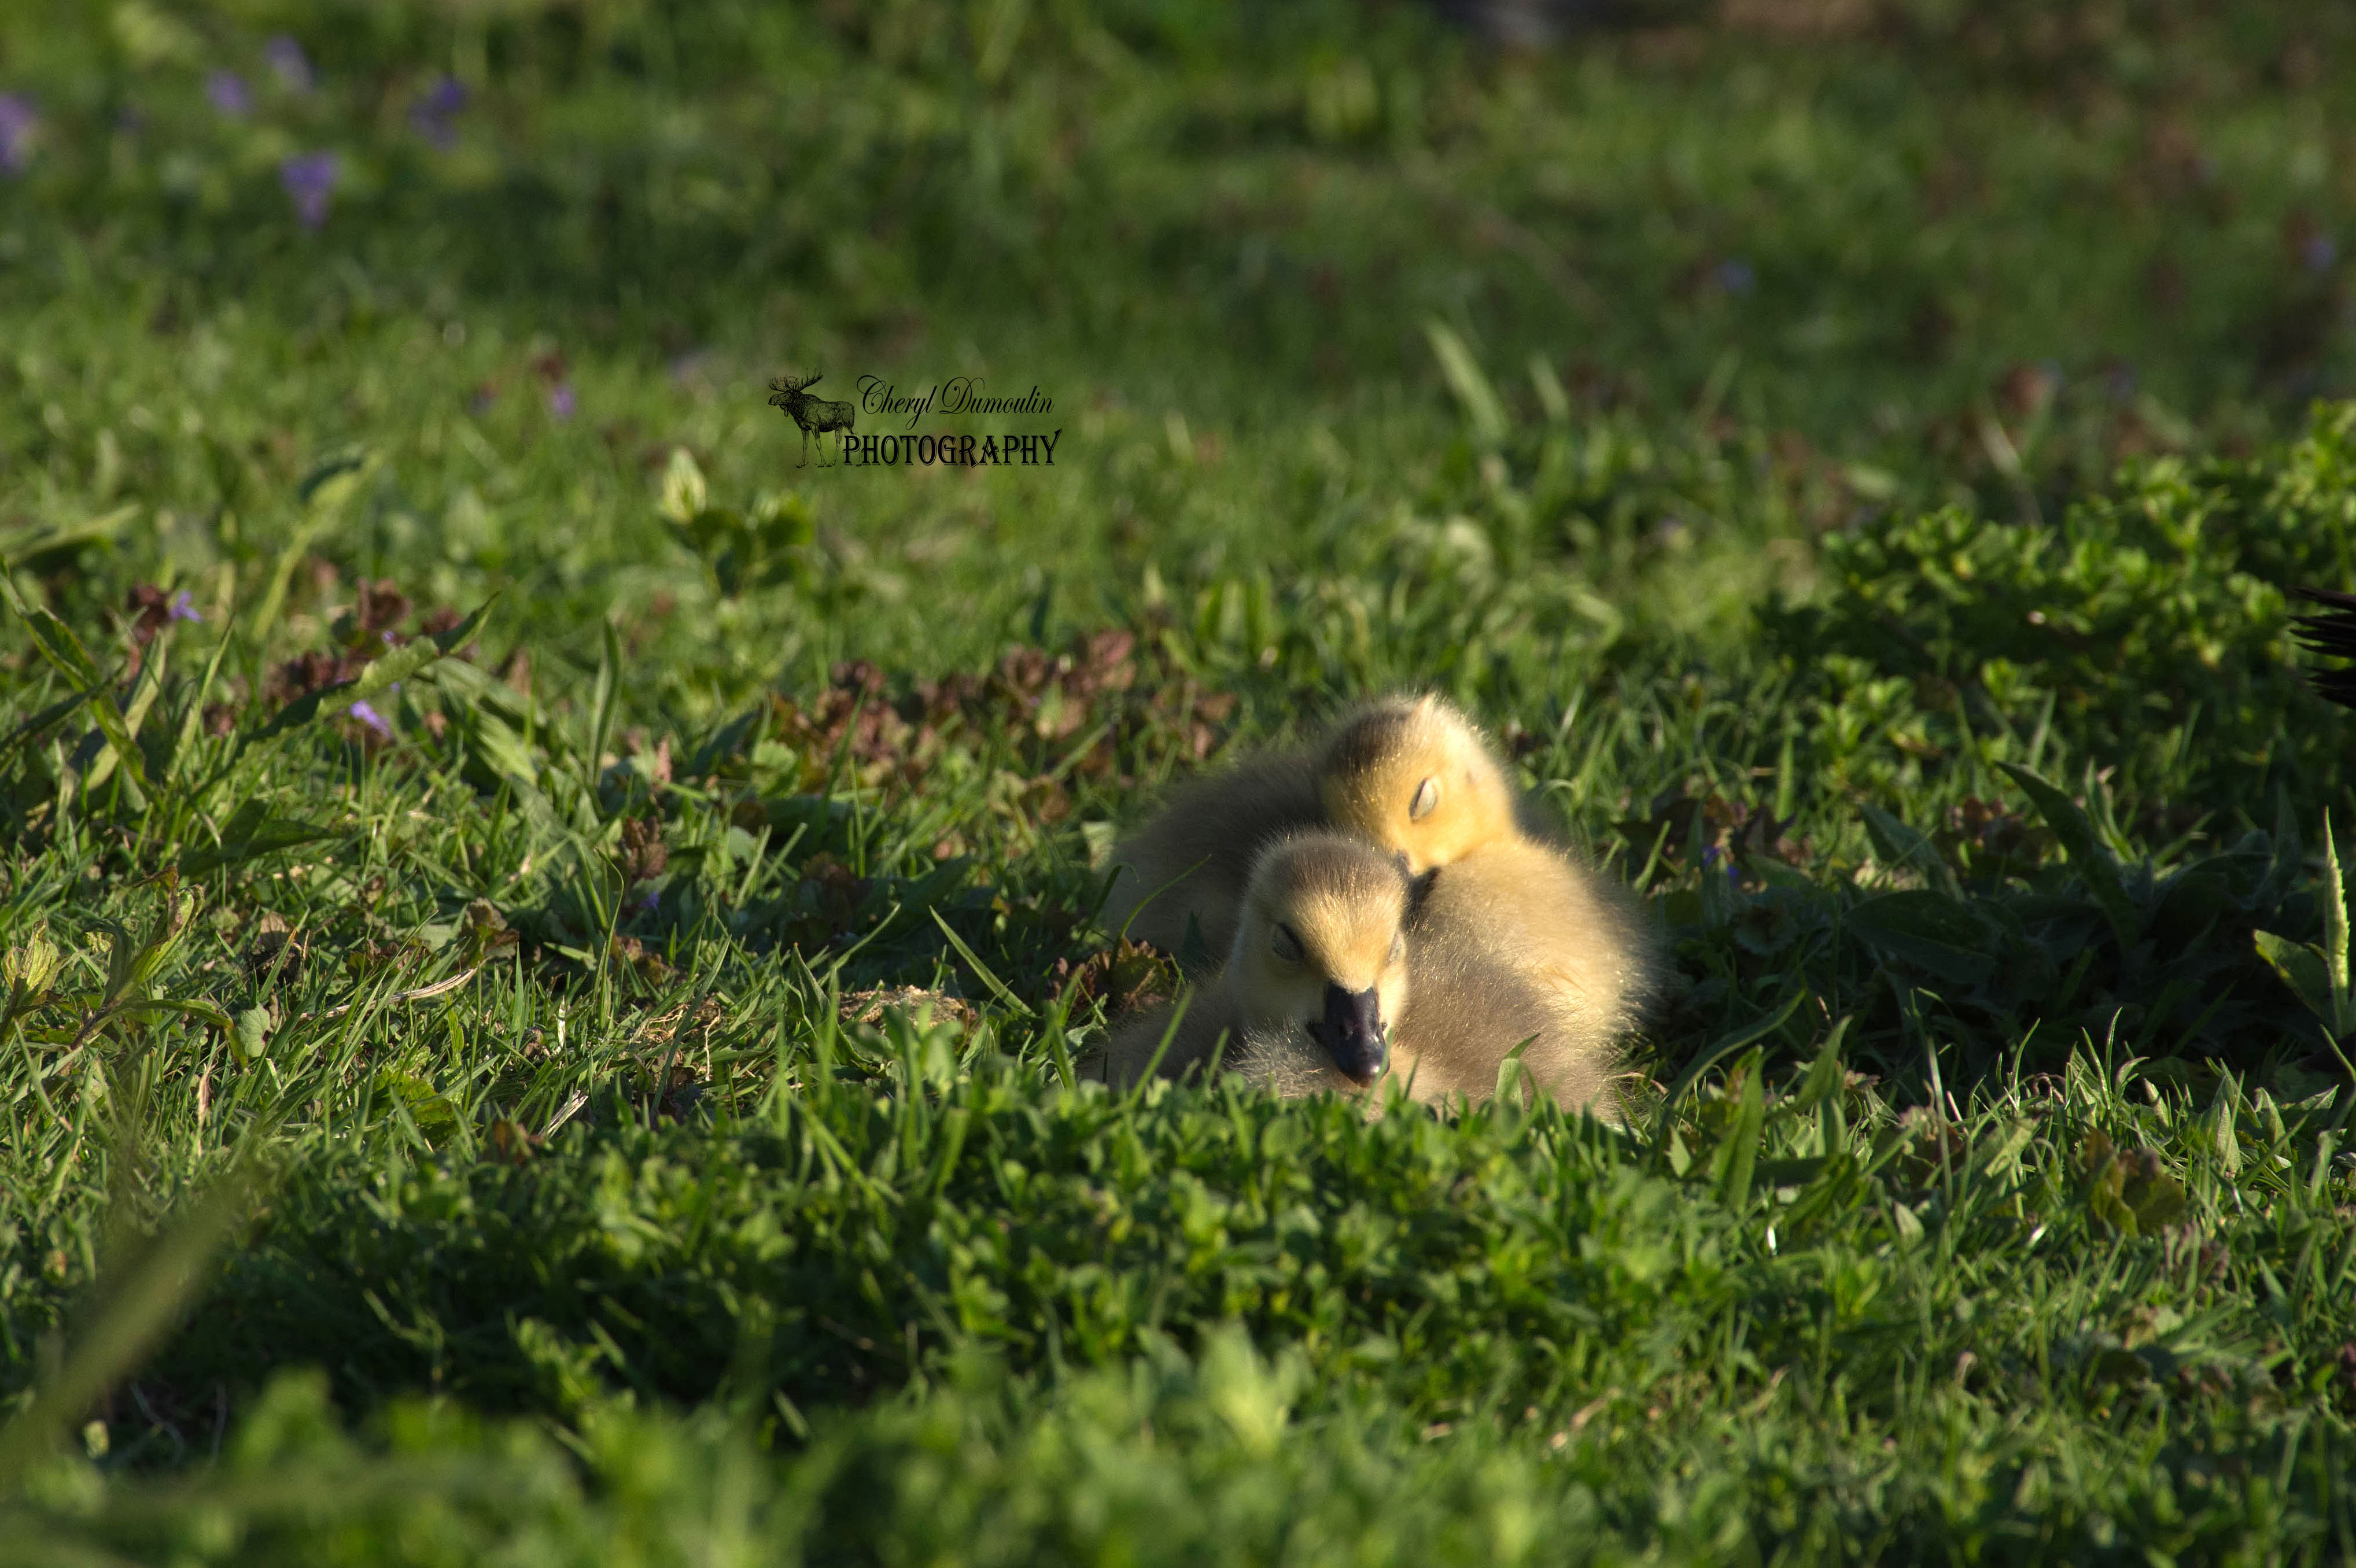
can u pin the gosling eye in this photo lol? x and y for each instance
(1285, 943)
(1425, 799)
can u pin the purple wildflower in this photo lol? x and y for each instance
(228, 93)
(559, 401)
(647, 904)
(310, 180)
(184, 607)
(2319, 253)
(1734, 277)
(287, 58)
(430, 115)
(372, 718)
(19, 121)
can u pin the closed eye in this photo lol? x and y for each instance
(1425, 799)
(1285, 943)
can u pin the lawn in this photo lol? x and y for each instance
(548, 942)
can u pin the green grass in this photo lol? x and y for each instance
(1858, 474)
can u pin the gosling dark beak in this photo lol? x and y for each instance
(1352, 1034)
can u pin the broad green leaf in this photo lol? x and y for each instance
(203, 1012)
(1928, 930)
(2087, 856)
(478, 689)
(2303, 969)
(36, 541)
(1483, 409)
(1773, 1173)
(265, 617)
(64, 651)
(2218, 1126)
(2000, 1158)
(436, 1116)
(59, 645)
(253, 831)
(329, 485)
(1899, 845)
(249, 1038)
(381, 676)
(134, 964)
(503, 750)
(683, 490)
(1738, 1150)
(31, 729)
(151, 681)
(2127, 1190)
(1824, 1079)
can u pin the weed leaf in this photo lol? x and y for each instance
(2088, 857)
(1928, 929)
(252, 832)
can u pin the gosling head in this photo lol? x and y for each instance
(1320, 950)
(1414, 775)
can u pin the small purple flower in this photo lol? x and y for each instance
(293, 65)
(19, 121)
(1734, 277)
(184, 607)
(559, 401)
(649, 904)
(310, 181)
(372, 718)
(2319, 253)
(227, 90)
(430, 115)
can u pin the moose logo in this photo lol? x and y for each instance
(815, 415)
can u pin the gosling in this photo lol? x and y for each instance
(1316, 972)
(1410, 773)
(1179, 880)
(1338, 973)
(1479, 986)
(1511, 930)
(1517, 943)
(1414, 775)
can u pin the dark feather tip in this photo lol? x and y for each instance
(2330, 632)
